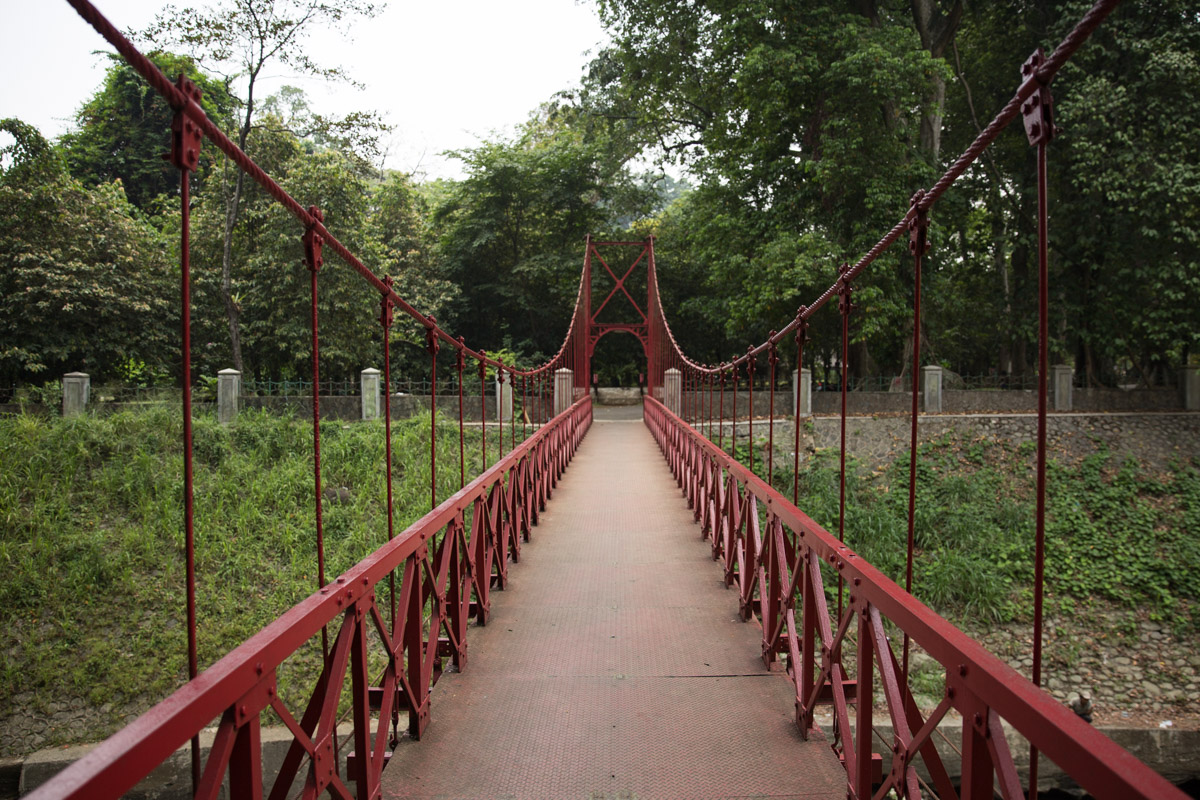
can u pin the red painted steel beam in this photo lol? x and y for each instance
(118, 763)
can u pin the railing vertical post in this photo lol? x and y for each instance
(864, 703)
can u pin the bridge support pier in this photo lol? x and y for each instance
(76, 386)
(564, 390)
(673, 390)
(229, 395)
(369, 379)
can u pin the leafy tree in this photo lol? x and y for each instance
(1123, 198)
(512, 233)
(803, 124)
(124, 129)
(84, 283)
(245, 36)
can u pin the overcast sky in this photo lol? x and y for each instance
(445, 73)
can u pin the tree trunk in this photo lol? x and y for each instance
(931, 120)
(232, 311)
(937, 31)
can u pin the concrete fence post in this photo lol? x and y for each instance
(564, 390)
(1189, 384)
(369, 379)
(931, 389)
(1062, 378)
(802, 383)
(229, 395)
(76, 386)
(504, 399)
(673, 390)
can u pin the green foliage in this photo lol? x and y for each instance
(84, 283)
(124, 129)
(1114, 531)
(91, 541)
(512, 233)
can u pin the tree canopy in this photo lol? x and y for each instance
(763, 145)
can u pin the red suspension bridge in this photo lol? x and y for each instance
(623, 662)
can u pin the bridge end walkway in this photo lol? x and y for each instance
(615, 664)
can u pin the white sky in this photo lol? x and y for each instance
(445, 73)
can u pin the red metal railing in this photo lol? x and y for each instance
(447, 562)
(450, 559)
(781, 564)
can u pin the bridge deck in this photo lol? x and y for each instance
(615, 665)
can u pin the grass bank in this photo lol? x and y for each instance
(92, 552)
(1117, 534)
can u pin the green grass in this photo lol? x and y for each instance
(92, 544)
(1116, 533)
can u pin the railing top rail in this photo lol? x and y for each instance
(155, 735)
(1099, 764)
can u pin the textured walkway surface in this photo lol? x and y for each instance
(614, 665)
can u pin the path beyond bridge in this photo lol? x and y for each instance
(615, 665)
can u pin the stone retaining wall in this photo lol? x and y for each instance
(954, 401)
(1155, 439)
